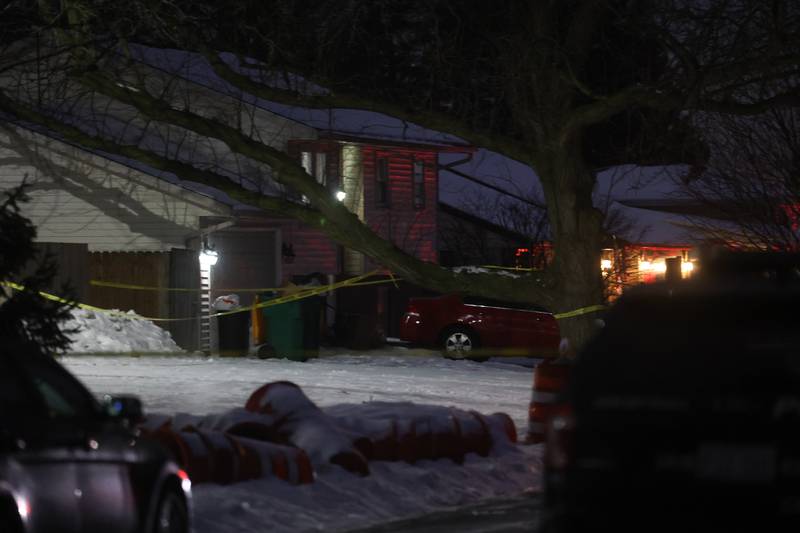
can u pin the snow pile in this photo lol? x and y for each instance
(482, 270)
(116, 332)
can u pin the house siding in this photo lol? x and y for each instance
(313, 250)
(412, 230)
(79, 197)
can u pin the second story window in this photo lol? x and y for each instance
(382, 181)
(315, 164)
(418, 184)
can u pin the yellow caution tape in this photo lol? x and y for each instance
(393, 279)
(79, 305)
(294, 296)
(115, 285)
(581, 311)
(299, 295)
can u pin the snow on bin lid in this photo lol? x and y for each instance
(226, 302)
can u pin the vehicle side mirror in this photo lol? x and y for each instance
(124, 407)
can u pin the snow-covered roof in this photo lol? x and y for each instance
(337, 122)
(165, 182)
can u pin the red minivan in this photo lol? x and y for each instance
(478, 328)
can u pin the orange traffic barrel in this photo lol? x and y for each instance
(385, 441)
(423, 436)
(257, 322)
(262, 459)
(250, 461)
(477, 437)
(446, 441)
(509, 429)
(549, 379)
(190, 452)
(406, 432)
(225, 456)
(300, 469)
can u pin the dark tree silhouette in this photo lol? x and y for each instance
(749, 195)
(26, 318)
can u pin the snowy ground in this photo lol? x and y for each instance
(200, 385)
(337, 501)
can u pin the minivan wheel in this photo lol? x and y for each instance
(460, 343)
(172, 515)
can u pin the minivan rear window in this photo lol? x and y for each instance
(488, 302)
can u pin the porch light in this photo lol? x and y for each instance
(605, 264)
(341, 195)
(208, 258)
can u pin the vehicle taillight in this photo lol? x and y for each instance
(559, 433)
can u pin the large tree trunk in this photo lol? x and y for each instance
(577, 233)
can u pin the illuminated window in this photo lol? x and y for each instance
(314, 163)
(418, 177)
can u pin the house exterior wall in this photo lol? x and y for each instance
(412, 229)
(351, 169)
(313, 250)
(247, 259)
(79, 197)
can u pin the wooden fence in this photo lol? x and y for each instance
(134, 268)
(176, 269)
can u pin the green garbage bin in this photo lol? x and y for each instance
(284, 329)
(292, 328)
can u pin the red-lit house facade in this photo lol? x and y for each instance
(392, 186)
(466, 239)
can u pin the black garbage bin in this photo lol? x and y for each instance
(311, 313)
(358, 331)
(233, 331)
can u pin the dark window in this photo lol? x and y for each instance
(447, 258)
(418, 177)
(16, 398)
(38, 388)
(63, 396)
(382, 181)
(487, 302)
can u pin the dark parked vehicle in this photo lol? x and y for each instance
(476, 328)
(69, 463)
(683, 414)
